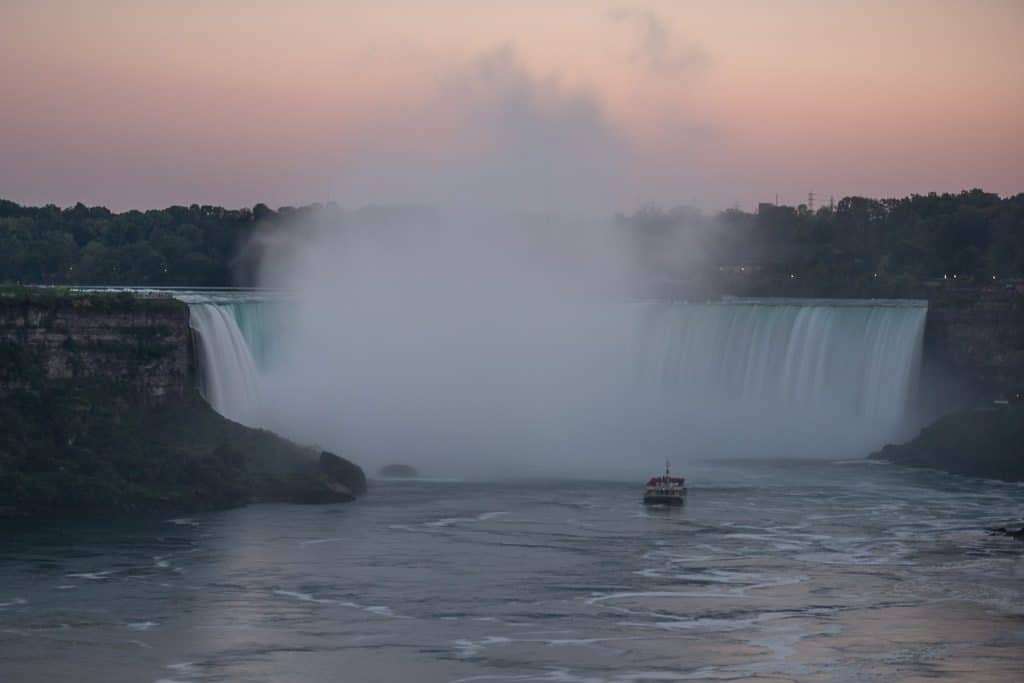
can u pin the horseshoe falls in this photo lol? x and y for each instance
(592, 386)
(860, 358)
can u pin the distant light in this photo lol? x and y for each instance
(876, 274)
(791, 276)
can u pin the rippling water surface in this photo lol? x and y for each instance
(772, 571)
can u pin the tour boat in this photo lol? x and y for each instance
(665, 489)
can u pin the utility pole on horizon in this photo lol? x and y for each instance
(810, 201)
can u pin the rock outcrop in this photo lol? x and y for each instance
(99, 414)
(399, 471)
(341, 472)
(1011, 533)
(48, 335)
(978, 341)
(987, 443)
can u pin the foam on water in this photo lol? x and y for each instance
(141, 625)
(93, 576)
(304, 597)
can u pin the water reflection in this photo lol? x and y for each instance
(799, 571)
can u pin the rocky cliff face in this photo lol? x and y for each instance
(978, 342)
(141, 344)
(986, 442)
(99, 413)
(973, 353)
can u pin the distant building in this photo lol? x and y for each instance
(767, 210)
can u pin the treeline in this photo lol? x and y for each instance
(192, 246)
(859, 247)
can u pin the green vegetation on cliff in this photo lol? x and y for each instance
(54, 299)
(987, 443)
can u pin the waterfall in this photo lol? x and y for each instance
(731, 377)
(228, 378)
(855, 358)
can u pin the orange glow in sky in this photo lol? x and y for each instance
(530, 103)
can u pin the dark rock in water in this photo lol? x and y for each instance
(987, 443)
(341, 472)
(403, 471)
(1003, 531)
(312, 481)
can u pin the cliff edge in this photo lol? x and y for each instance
(985, 442)
(98, 413)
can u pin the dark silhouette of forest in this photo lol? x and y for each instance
(859, 247)
(194, 246)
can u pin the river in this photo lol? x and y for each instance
(773, 571)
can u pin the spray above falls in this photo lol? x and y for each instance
(474, 344)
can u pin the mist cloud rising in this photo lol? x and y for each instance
(658, 49)
(457, 342)
(506, 140)
(484, 329)
(490, 345)
(468, 333)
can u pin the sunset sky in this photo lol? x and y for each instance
(531, 104)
